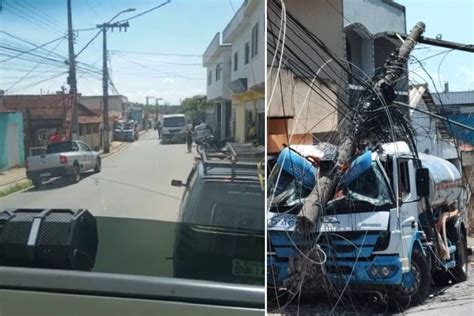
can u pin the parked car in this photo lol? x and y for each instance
(63, 159)
(221, 236)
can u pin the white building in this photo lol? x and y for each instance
(242, 53)
(217, 60)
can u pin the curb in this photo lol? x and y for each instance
(18, 191)
(119, 149)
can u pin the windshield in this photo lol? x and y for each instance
(173, 121)
(61, 148)
(369, 187)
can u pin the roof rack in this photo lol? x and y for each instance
(234, 156)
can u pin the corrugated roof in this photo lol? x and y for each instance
(457, 97)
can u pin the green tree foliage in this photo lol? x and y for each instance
(194, 106)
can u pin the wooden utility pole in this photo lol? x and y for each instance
(72, 75)
(105, 81)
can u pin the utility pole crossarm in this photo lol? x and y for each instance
(432, 41)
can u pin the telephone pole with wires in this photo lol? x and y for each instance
(72, 81)
(105, 77)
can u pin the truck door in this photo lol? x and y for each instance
(407, 205)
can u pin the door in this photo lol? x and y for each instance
(408, 208)
(87, 159)
(13, 150)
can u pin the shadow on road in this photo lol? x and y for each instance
(57, 183)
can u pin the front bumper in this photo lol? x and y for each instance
(50, 172)
(181, 137)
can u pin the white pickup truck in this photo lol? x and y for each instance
(64, 159)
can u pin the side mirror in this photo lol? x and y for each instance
(177, 183)
(423, 182)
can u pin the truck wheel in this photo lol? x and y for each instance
(37, 182)
(460, 271)
(76, 174)
(98, 165)
(415, 284)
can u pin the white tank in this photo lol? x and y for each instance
(445, 180)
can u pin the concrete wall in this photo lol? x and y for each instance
(220, 88)
(376, 15)
(12, 149)
(308, 111)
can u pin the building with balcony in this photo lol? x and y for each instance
(241, 77)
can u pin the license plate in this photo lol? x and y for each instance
(46, 174)
(248, 268)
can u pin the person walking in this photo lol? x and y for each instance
(159, 128)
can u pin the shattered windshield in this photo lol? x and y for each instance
(370, 186)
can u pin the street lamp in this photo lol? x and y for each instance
(121, 12)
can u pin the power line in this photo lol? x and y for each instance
(145, 12)
(156, 53)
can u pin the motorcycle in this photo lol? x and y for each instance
(209, 142)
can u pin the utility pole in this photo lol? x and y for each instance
(72, 74)
(105, 80)
(330, 174)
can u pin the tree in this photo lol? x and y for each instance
(195, 107)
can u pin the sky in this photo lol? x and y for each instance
(454, 20)
(177, 34)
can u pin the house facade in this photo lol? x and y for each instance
(358, 43)
(12, 150)
(43, 115)
(118, 104)
(241, 87)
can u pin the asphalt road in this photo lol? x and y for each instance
(455, 299)
(134, 183)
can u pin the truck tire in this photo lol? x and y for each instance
(401, 297)
(460, 271)
(98, 165)
(76, 175)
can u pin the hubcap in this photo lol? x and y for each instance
(411, 280)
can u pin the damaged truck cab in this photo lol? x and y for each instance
(393, 226)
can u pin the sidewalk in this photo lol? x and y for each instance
(12, 176)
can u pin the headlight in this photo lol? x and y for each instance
(382, 271)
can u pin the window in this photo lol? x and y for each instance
(209, 78)
(84, 147)
(255, 40)
(236, 61)
(247, 53)
(218, 72)
(403, 179)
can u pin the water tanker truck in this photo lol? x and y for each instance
(394, 226)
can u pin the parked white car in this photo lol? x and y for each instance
(64, 159)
